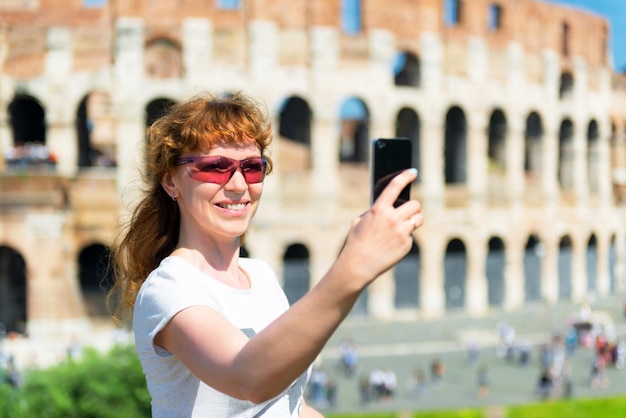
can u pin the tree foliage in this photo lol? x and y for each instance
(96, 385)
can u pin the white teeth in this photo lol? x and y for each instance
(234, 206)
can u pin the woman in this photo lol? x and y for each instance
(214, 331)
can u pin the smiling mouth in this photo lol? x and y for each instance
(232, 206)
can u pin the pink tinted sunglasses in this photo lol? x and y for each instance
(217, 169)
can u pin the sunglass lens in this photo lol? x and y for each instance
(254, 170)
(212, 169)
(220, 169)
(215, 165)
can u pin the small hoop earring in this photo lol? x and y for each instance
(174, 196)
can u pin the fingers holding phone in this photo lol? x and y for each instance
(390, 156)
(381, 236)
(392, 176)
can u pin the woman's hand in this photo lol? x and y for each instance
(383, 235)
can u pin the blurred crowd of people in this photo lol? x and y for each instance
(29, 155)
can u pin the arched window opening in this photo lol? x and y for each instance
(453, 12)
(455, 155)
(13, 295)
(96, 278)
(455, 270)
(533, 155)
(408, 126)
(228, 4)
(565, 268)
(593, 157)
(566, 155)
(592, 265)
(533, 258)
(407, 280)
(494, 17)
(94, 126)
(296, 275)
(295, 125)
(351, 16)
(354, 143)
(164, 59)
(496, 150)
(494, 271)
(295, 120)
(93, 4)
(566, 86)
(28, 126)
(157, 108)
(406, 70)
(612, 265)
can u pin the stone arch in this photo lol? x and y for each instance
(28, 120)
(566, 85)
(612, 260)
(455, 142)
(494, 271)
(566, 155)
(94, 131)
(163, 58)
(533, 147)
(564, 265)
(408, 125)
(295, 121)
(592, 265)
(13, 290)
(407, 280)
(593, 156)
(455, 272)
(28, 126)
(157, 108)
(296, 272)
(534, 252)
(354, 141)
(496, 149)
(406, 69)
(83, 133)
(95, 278)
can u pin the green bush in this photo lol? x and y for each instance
(96, 386)
(462, 413)
(583, 408)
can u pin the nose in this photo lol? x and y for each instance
(237, 181)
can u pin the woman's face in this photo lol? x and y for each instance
(215, 211)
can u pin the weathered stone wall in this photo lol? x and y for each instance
(123, 58)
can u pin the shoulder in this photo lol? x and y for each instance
(171, 272)
(173, 280)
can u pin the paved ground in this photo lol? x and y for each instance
(404, 346)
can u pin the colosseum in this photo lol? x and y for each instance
(516, 115)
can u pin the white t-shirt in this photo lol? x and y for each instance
(176, 285)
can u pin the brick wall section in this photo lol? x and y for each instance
(534, 24)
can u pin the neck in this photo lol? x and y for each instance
(219, 263)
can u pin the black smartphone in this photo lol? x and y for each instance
(390, 156)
